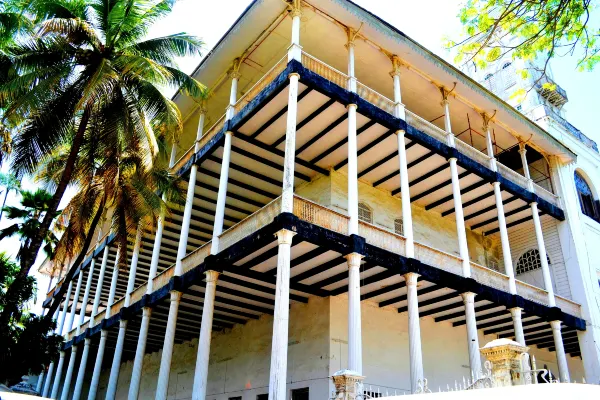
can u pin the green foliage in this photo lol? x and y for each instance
(529, 30)
(28, 342)
(34, 207)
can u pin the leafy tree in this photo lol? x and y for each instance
(89, 63)
(34, 207)
(530, 30)
(10, 183)
(29, 341)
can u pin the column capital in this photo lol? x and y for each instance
(211, 275)
(522, 147)
(445, 92)
(235, 74)
(351, 105)
(284, 236)
(296, 11)
(146, 312)
(354, 259)
(411, 278)
(556, 325)
(202, 109)
(400, 132)
(468, 297)
(516, 311)
(230, 133)
(297, 75)
(175, 296)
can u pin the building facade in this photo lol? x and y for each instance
(353, 202)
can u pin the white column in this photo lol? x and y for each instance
(48, 382)
(352, 172)
(235, 76)
(463, 249)
(287, 195)
(81, 373)
(113, 285)
(63, 315)
(71, 367)
(399, 111)
(561, 357)
(86, 295)
(133, 267)
(160, 225)
(113, 379)
(100, 282)
(472, 338)
(414, 333)
(506, 255)
(97, 366)
(447, 122)
(58, 378)
(295, 50)
(405, 193)
(490, 145)
(201, 372)
(165, 362)
(351, 75)
(38, 385)
(189, 200)
(140, 351)
(281, 317)
(75, 301)
(354, 314)
(523, 153)
(518, 323)
(222, 194)
(539, 235)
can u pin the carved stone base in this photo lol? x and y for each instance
(348, 385)
(505, 356)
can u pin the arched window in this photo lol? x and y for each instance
(529, 261)
(589, 206)
(365, 213)
(506, 65)
(399, 226)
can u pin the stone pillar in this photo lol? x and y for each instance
(133, 267)
(523, 153)
(561, 357)
(113, 379)
(287, 193)
(354, 314)
(75, 301)
(352, 172)
(165, 362)
(140, 351)
(450, 140)
(506, 255)
(113, 286)
(472, 338)
(81, 373)
(281, 317)
(70, 368)
(100, 282)
(222, 194)
(38, 385)
(350, 46)
(539, 235)
(235, 76)
(189, 199)
(48, 382)
(414, 333)
(399, 111)
(295, 50)
(460, 220)
(58, 378)
(348, 385)
(405, 193)
(63, 315)
(201, 372)
(86, 295)
(490, 144)
(517, 322)
(97, 366)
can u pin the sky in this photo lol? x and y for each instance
(428, 22)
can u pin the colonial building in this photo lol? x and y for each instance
(353, 202)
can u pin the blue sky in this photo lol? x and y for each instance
(426, 21)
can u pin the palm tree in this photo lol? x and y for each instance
(10, 183)
(34, 207)
(90, 62)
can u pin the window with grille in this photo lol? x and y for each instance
(264, 396)
(509, 75)
(300, 394)
(529, 261)
(365, 213)
(589, 206)
(399, 226)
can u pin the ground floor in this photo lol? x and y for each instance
(317, 348)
